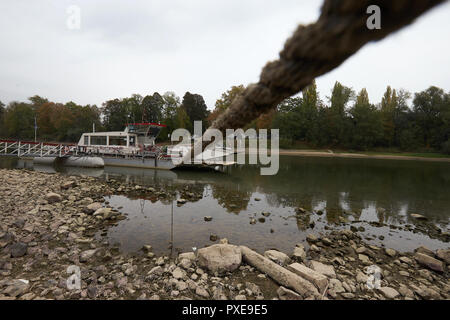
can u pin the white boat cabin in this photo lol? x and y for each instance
(135, 138)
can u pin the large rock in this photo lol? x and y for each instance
(418, 216)
(324, 269)
(16, 287)
(187, 255)
(202, 292)
(429, 262)
(389, 293)
(318, 279)
(277, 256)
(220, 258)
(178, 273)
(390, 252)
(286, 294)
(69, 184)
(425, 250)
(444, 254)
(52, 197)
(91, 208)
(18, 249)
(85, 256)
(105, 213)
(299, 253)
(311, 238)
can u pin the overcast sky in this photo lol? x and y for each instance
(201, 46)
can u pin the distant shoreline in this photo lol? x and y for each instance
(325, 154)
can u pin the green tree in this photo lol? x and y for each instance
(37, 101)
(83, 117)
(334, 120)
(389, 105)
(116, 115)
(169, 113)
(367, 126)
(182, 119)
(287, 118)
(19, 120)
(430, 107)
(195, 108)
(403, 122)
(152, 107)
(308, 114)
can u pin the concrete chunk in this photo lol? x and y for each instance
(429, 262)
(318, 279)
(324, 269)
(281, 275)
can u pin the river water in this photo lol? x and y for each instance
(386, 191)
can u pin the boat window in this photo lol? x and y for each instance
(132, 141)
(117, 141)
(98, 140)
(86, 140)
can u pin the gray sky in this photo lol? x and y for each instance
(201, 46)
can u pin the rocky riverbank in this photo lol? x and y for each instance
(52, 222)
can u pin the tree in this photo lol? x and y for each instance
(389, 104)
(83, 117)
(152, 108)
(308, 113)
(37, 101)
(225, 101)
(367, 126)
(334, 119)
(169, 113)
(182, 119)
(429, 107)
(116, 115)
(195, 108)
(403, 122)
(46, 128)
(19, 120)
(287, 118)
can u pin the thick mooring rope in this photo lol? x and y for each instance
(316, 49)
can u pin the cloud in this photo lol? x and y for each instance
(200, 46)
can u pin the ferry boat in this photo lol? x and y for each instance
(136, 147)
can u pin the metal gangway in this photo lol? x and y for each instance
(36, 149)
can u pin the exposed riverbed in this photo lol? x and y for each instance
(51, 221)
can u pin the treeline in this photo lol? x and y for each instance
(167, 109)
(348, 120)
(55, 121)
(66, 122)
(345, 119)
